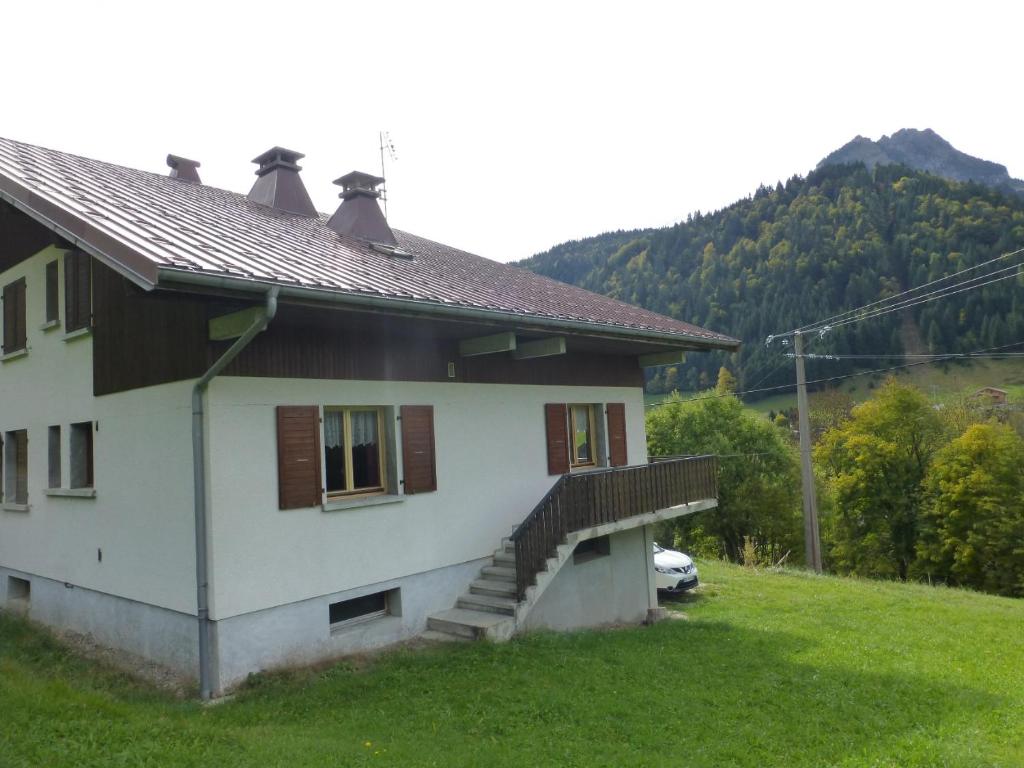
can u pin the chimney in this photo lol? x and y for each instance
(359, 214)
(278, 185)
(183, 168)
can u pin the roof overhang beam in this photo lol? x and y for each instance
(550, 347)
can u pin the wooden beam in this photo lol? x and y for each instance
(540, 348)
(234, 325)
(488, 345)
(661, 358)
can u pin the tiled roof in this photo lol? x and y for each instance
(152, 224)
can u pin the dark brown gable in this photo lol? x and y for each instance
(77, 291)
(14, 316)
(555, 419)
(298, 456)
(418, 460)
(617, 434)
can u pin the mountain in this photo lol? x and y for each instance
(803, 251)
(924, 151)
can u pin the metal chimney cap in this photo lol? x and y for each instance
(359, 183)
(278, 157)
(183, 168)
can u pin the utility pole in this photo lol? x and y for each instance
(812, 539)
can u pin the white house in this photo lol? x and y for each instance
(239, 434)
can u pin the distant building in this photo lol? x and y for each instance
(991, 395)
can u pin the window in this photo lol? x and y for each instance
(16, 467)
(353, 450)
(364, 608)
(15, 338)
(53, 450)
(588, 549)
(581, 430)
(52, 294)
(81, 455)
(77, 291)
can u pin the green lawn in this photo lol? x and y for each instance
(768, 669)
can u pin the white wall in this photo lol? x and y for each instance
(491, 471)
(141, 516)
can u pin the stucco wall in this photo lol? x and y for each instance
(141, 517)
(610, 589)
(491, 471)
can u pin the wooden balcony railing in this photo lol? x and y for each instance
(588, 499)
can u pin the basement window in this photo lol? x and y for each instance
(588, 549)
(347, 612)
(19, 594)
(81, 455)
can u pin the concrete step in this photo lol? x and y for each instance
(434, 636)
(494, 587)
(498, 572)
(473, 625)
(502, 605)
(505, 559)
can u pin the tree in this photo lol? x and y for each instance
(875, 462)
(759, 475)
(726, 382)
(972, 529)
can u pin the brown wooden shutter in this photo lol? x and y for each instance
(15, 336)
(298, 456)
(418, 461)
(556, 422)
(52, 292)
(617, 434)
(77, 291)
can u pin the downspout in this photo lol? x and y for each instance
(199, 481)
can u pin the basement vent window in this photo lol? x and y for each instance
(19, 593)
(365, 608)
(589, 549)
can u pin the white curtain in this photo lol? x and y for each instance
(333, 429)
(364, 427)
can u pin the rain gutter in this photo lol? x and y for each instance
(199, 481)
(396, 305)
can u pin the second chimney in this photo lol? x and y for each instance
(278, 185)
(183, 168)
(359, 215)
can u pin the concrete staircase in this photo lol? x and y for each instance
(490, 609)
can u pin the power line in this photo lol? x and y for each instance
(840, 318)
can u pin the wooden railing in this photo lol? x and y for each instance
(589, 499)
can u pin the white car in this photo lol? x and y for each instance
(674, 571)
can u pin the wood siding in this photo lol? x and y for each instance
(298, 456)
(617, 455)
(557, 428)
(418, 459)
(144, 339)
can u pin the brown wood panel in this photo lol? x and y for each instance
(77, 290)
(298, 456)
(617, 455)
(15, 332)
(555, 421)
(21, 237)
(418, 457)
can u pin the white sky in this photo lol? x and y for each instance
(518, 125)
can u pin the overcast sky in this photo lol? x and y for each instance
(517, 125)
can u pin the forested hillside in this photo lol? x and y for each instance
(804, 250)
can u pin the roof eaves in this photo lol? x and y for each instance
(77, 231)
(182, 277)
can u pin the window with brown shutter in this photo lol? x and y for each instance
(298, 456)
(418, 460)
(77, 291)
(15, 337)
(617, 456)
(557, 425)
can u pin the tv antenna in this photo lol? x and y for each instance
(386, 145)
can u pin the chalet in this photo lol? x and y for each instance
(990, 396)
(239, 434)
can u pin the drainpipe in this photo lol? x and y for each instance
(199, 482)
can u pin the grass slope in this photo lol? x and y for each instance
(769, 669)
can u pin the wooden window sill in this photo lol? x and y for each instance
(78, 333)
(10, 506)
(341, 503)
(49, 325)
(7, 356)
(74, 493)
